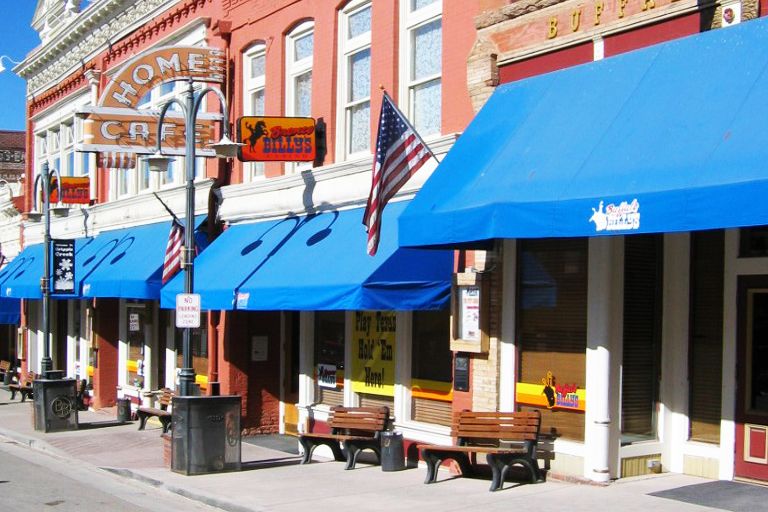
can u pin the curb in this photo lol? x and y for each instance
(181, 491)
(32, 442)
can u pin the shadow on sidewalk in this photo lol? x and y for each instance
(89, 425)
(269, 463)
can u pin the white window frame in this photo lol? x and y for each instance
(253, 171)
(348, 48)
(293, 70)
(410, 21)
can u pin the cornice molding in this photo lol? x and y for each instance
(95, 29)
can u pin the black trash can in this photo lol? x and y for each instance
(8, 376)
(55, 404)
(124, 410)
(205, 434)
(54, 374)
(392, 452)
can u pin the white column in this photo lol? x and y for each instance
(673, 424)
(507, 357)
(306, 366)
(604, 319)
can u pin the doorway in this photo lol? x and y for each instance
(751, 461)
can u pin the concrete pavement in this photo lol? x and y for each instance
(272, 480)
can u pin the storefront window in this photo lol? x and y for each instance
(552, 329)
(640, 375)
(431, 372)
(753, 242)
(139, 332)
(199, 345)
(329, 357)
(706, 342)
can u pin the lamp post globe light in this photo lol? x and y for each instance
(158, 162)
(44, 179)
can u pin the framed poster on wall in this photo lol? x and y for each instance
(470, 313)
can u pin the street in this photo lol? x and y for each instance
(32, 480)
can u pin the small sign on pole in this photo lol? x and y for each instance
(188, 310)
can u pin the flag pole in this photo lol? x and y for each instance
(408, 124)
(170, 212)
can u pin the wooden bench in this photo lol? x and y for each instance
(23, 387)
(162, 413)
(506, 439)
(355, 428)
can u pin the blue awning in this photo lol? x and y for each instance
(10, 311)
(21, 277)
(317, 262)
(669, 138)
(125, 263)
(128, 263)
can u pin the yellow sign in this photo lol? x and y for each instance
(373, 352)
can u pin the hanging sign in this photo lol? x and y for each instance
(289, 139)
(151, 68)
(373, 352)
(63, 266)
(74, 190)
(117, 124)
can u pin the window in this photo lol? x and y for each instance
(128, 182)
(138, 332)
(254, 82)
(299, 53)
(552, 327)
(329, 356)
(640, 375)
(705, 357)
(55, 145)
(198, 344)
(423, 53)
(431, 371)
(67, 150)
(355, 77)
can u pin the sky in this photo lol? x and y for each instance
(19, 40)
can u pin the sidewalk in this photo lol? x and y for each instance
(272, 480)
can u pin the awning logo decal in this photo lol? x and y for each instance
(624, 216)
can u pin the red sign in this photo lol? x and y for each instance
(287, 139)
(74, 190)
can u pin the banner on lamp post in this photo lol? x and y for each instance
(63, 266)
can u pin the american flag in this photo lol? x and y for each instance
(400, 152)
(172, 262)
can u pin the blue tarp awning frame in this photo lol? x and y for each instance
(670, 138)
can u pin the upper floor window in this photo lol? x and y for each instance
(300, 45)
(55, 145)
(254, 83)
(422, 49)
(127, 182)
(300, 48)
(355, 77)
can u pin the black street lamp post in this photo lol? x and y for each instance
(225, 148)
